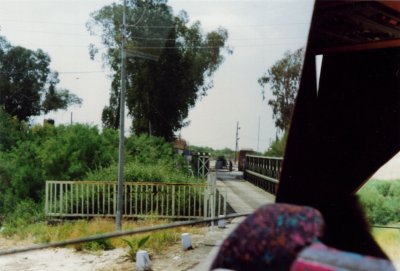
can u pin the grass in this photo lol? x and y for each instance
(389, 240)
(380, 201)
(158, 241)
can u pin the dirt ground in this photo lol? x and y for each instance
(63, 259)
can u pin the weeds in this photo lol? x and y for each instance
(135, 246)
(157, 241)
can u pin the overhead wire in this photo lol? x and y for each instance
(59, 72)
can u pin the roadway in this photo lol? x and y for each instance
(242, 197)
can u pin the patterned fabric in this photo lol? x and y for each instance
(270, 238)
(319, 257)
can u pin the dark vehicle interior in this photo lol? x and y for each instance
(346, 126)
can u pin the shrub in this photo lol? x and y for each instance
(12, 131)
(102, 244)
(380, 200)
(277, 148)
(147, 149)
(25, 213)
(76, 149)
(139, 172)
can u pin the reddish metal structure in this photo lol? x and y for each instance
(347, 126)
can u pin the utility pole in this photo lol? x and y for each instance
(258, 137)
(237, 141)
(121, 157)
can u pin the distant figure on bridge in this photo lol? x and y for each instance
(230, 165)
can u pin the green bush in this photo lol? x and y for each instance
(76, 149)
(277, 148)
(380, 201)
(25, 213)
(12, 131)
(139, 172)
(48, 152)
(102, 244)
(150, 150)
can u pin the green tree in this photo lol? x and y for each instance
(277, 148)
(11, 132)
(175, 68)
(283, 78)
(27, 85)
(74, 150)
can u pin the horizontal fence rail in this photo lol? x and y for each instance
(263, 171)
(159, 200)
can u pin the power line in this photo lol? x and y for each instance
(227, 26)
(40, 22)
(231, 39)
(50, 32)
(62, 72)
(163, 26)
(80, 72)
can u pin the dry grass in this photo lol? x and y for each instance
(389, 240)
(158, 241)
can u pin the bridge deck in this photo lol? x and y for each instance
(242, 196)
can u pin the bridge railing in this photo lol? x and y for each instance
(263, 171)
(159, 200)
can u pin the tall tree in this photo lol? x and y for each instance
(171, 64)
(27, 85)
(283, 78)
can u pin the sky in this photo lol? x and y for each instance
(260, 32)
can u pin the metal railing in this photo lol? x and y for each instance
(201, 164)
(159, 200)
(263, 171)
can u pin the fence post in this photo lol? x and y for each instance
(211, 187)
(205, 209)
(46, 206)
(114, 199)
(61, 197)
(173, 200)
(225, 200)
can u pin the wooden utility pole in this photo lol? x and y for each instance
(237, 141)
(258, 136)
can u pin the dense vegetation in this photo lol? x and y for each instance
(381, 201)
(277, 148)
(31, 155)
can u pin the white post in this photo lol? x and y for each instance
(186, 241)
(211, 187)
(142, 261)
(221, 221)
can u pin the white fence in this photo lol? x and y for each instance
(99, 199)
